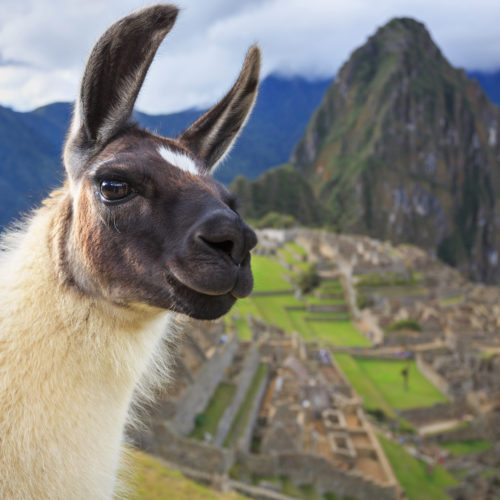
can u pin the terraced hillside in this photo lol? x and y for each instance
(320, 315)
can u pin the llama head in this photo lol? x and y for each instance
(148, 224)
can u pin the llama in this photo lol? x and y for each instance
(139, 234)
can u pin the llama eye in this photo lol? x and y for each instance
(114, 190)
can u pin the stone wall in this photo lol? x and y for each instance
(438, 412)
(189, 452)
(434, 378)
(250, 365)
(460, 434)
(315, 470)
(404, 339)
(244, 441)
(197, 395)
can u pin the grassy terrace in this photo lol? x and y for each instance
(330, 287)
(208, 421)
(274, 309)
(381, 384)
(418, 482)
(268, 274)
(151, 480)
(241, 419)
(448, 301)
(317, 301)
(387, 279)
(338, 333)
(468, 446)
(290, 259)
(294, 247)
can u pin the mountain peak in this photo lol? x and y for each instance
(404, 147)
(401, 43)
(404, 33)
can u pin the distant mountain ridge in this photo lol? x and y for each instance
(31, 143)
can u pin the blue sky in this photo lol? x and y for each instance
(44, 43)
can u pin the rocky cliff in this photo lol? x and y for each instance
(405, 147)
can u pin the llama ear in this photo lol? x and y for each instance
(113, 76)
(212, 135)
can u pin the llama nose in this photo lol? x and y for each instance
(225, 232)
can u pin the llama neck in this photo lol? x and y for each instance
(69, 365)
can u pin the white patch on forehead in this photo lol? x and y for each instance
(179, 160)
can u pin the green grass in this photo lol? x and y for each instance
(151, 480)
(467, 446)
(404, 324)
(289, 258)
(300, 325)
(363, 385)
(385, 279)
(413, 292)
(413, 475)
(304, 492)
(381, 384)
(243, 329)
(244, 307)
(238, 315)
(452, 300)
(311, 299)
(272, 309)
(331, 287)
(338, 333)
(241, 419)
(268, 274)
(296, 248)
(388, 379)
(287, 487)
(223, 395)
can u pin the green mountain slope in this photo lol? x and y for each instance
(405, 147)
(283, 190)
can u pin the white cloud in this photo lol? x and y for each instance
(202, 55)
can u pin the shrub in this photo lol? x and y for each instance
(308, 279)
(200, 419)
(276, 220)
(404, 324)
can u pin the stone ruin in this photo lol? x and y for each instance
(308, 423)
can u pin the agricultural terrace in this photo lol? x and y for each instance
(206, 422)
(321, 315)
(466, 446)
(419, 481)
(381, 384)
(242, 417)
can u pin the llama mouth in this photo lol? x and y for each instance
(196, 300)
(215, 277)
(244, 281)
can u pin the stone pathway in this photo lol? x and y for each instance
(444, 425)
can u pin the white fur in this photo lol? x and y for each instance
(69, 365)
(179, 160)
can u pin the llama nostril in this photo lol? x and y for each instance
(225, 246)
